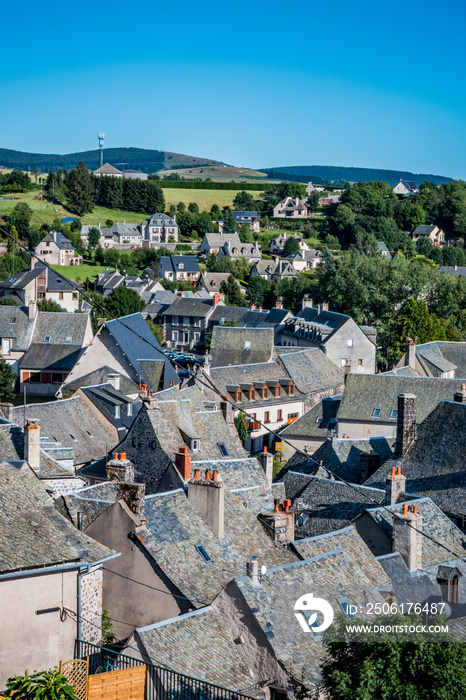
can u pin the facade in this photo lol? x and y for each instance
(179, 267)
(273, 269)
(305, 259)
(213, 242)
(435, 234)
(406, 187)
(250, 251)
(290, 207)
(244, 217)
(277, 244)
(40, 282)
(159, 229)
(445, 359)
(186, 321)
(16, 329)
(56, 249)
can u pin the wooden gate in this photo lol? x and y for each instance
(75, 671)
(127, 684)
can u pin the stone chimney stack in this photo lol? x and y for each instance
(459, 397)
(32, 308)
(32, 444)
(228, 412)
(406, 423)
(266, 461)
(133, 495)
(406, 538)
(6, 410)
(147, 397)
(183, 463)
(412, 354)
(307, 302)
(279, 524)
(207, 495)
(395, 484)
(114, 380)
(252, 570)
(206, 366)
(120, 468)
(370, 462)
(322, 307)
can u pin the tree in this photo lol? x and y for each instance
(12, 244)
(81, 190)
(94, 237)
(20, 217)
(99, 255)
(49, 305)
(124, 301)
(290, 189)
(229, 223)
(9, 301)
(424, 247)
(327, 257)
(193, 207)
(245, 234)
(257, 290)
(313, 200)
(156, 330)
(232, 292)
(414, 321)
(240, 425)
(406, 666)
(112, 257)
(7, 381)
(243, 201)
(414, 216)
(291, 246)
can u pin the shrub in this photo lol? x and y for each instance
(40, 685)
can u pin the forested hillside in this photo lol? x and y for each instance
(326, 174)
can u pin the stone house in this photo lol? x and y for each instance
(290, 207)
(56, 249)
(436, 359)
(179, 267)
(16, 329)
(433, 233)
(305, 259)
(51, 580)
(243, 217)
(273, 269)
(213, 242)
(250, 251)
(405, 187)
(40, 282)
(277, 243)
(186, 321)
(349, 346)
(211, 282)
(159, 229)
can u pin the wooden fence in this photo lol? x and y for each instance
(124, 684)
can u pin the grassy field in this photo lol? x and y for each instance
(79, 273)
(203, 198)
(218, 173)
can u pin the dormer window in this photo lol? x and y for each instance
(277, 391)
(394, 413)
(291, 389)
(68, 339)
(13, 319)
(181, 266)
(252, 394)
(59, 281)
(195, 444)
(265, 392)
(238, 396)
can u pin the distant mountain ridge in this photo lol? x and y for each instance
(332, 173)
(123, 158)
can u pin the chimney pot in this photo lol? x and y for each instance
(215, 475)
(398, 471)
(393, 471)
(415, 510)
(115, 455)
(405, 509)
(123, 455)
(197, 474)
(264, 449)
(207, 475)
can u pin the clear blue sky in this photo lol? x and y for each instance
(259, 84)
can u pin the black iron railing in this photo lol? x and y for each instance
(161, 683)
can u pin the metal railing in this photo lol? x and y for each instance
(161, 683)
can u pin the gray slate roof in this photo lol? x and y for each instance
(311, 370)
(15, 324)
(179, 263)
(442, 356)
(61, 328)
(54, 282)
(456, 270)
(33, 534)
(51, 358)
(318, 422)
(240, 346)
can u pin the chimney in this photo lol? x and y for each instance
(215, 298)
(32, 444)
(228, 412)
(120, 468)
(406, 540)
(370, 462)
(266, 461)
(114, 380)
(80, 520)
(395, 484)
(307, 302)
(279, 524)
(7, 410)
(279, 303)
(322, 307)
(459, 397)
(32, 262)
(180, 293)
(183, 463)
(406, 423)
(207, 495)
(412, 354)
(148, 399)
(32, 309)
(252, 570)
(133, 495)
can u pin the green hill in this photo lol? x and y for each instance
(327, 174)
(123, 158)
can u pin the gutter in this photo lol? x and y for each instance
(22, 573)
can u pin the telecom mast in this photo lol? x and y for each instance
(101, 138)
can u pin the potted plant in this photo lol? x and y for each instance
(40, 685)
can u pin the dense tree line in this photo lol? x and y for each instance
(144, 196)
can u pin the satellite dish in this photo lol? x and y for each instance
(263, 570)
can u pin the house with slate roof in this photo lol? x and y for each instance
(305, 259)
(457, 270)
(159, 229)
(290, 207)
(130, 349)
(16, 329)
(277, 244)
(313, 428)
(57, 342)
(107, 170)
(243, 217)
(405, 187)
(108, 280)
(349, 346)
(211, 282)
(111, 405)
(435, 234)
(47, 566)
(436, 359)
(250, 251)
(56, 249)
(179, 267)
(240, 346)
(273, 269)
(40, 282)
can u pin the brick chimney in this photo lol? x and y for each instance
(279, 524)
(7, 410)
(120, 468)
(459, 397)
(406, 423)
(133, 495)
(183, 463)
(215, 298)
(207, 495)
(228, 412)
(32, 444)
(279, 303)
(406, 540)
(395, 484)
(370, 462)
(266, 461)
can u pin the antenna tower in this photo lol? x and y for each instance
(101, 138)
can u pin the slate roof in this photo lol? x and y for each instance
(364, 392)
(33, 534)
(332, 319)
(213, 658)
(434, 464)
(179, 263)
(160, 219)
(218, 240)
(91, 501)
(326, 505)
(100, 376)
(348, 539)
(442, 356)
(106, 399)
(382, 248)
(15, 324)
(226, 378)
(247, 250)
(424, 230)
(184, 306)
(342, 456)
(456, 270)
(331, 576)
(54, 281)
(239, 346)
(61, 328)
(213, 280)
(52, 358)
(318, 422)
(71, 423)
(311, 370)
(174, 528)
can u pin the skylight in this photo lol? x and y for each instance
(376, 412)
(13, 319)
(223, 449)
(394, 413)
(68, 339)
(47, 339)
(203, 553)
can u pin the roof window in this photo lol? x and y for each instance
(247, 344)
(13, 319)
(223, 449)
(47, 339)
(68, 339)
(394, 413)
(346, 607)
(201, 551)
(376, 413)
(59, 281)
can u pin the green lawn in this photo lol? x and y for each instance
(79, 272)
(203, 198)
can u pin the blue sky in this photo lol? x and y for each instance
(255, 83)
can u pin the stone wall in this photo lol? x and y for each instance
(91, 605)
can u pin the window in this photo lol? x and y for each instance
(360, 362)
(185, 320)
(292, 417)
(13, 319)
(174, 320)
(252, 394)
(47, 339)
(57, 377)
(60, 295)
(238, 396)
(223, 449)
(197, 338)
(197, 322)
(350, 343)
(267, 417)
(68, 339)
(59, 281)
(277, 391)
(265, 392)
(201, 551)
(279, 415)
(394, 413)
(175, 336)
(345, 607)
(343, 361)
(6, 346)
(376, 413)
(291, 389)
